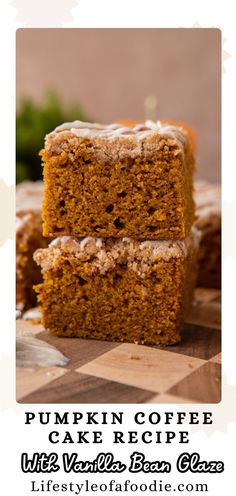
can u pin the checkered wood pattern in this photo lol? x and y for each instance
(106, 372)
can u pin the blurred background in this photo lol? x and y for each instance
(106, 75)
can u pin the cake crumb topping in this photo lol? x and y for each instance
(105, 254)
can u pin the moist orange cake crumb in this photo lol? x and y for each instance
(117, 289)
(114, 181)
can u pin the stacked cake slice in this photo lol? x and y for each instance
(28, 238)
(121, 201)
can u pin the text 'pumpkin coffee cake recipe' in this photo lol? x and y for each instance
(121, 201)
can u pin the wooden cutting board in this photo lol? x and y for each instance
(106, 372)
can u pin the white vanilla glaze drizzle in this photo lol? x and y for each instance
(113, 131)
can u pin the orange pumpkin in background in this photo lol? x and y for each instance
(187, 128)
(129, 122)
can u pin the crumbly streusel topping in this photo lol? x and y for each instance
(115, 131)
(105, 254)
(115, 142)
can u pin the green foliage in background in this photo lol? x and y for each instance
(33, 122)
